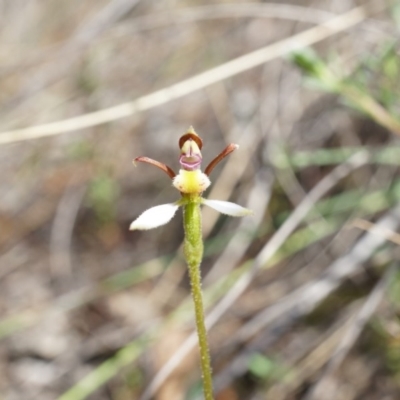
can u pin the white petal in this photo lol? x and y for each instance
(154, 217)
(226, 207)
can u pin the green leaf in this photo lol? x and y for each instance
(261, 366)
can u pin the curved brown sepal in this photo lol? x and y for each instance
(228, 150)
(157, 164)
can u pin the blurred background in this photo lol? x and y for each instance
(303, 296)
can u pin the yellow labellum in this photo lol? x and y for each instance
(191, 182)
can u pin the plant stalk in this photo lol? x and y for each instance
(193, 250)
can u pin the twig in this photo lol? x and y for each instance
(200, 81)
(376, 230)
(218, 11)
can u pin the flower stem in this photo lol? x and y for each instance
(193, 250)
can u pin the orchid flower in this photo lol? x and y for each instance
(190, 181)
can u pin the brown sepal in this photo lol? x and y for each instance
(228, 150)
(157, 164)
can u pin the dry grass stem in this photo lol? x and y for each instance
(187, 86)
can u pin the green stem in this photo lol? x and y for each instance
(193, 250)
